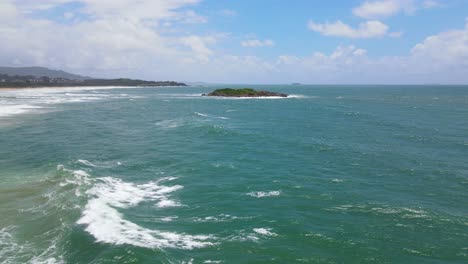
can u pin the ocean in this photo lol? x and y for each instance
(332, 174)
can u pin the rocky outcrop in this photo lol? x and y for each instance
(244, 92)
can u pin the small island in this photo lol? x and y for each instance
(244, 92)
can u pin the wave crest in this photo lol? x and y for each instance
(107, 225)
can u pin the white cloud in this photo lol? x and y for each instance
(156, 45)
(116, 37)
(442, 58)
(7, 11)
(368, 29)
(386, 8)
(360, 52)
(190, 17)
(68, 15)
(255, 43)
(445, 49)
(143, 9)
(377, 9)
(199, 45)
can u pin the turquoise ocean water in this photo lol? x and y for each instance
(334, 174)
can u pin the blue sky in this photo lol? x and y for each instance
(261, 41)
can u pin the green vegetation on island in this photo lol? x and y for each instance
(44, 81)
(25, 77)
(243, 92)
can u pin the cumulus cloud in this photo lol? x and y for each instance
(368, 29)
(111, 37)
(255, 43)
(445, 49)
(386, 8)
(377, 9)
(98, 41)
(199, 45)
(442, 58)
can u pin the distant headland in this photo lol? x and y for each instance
(36, 77)
(243, 92)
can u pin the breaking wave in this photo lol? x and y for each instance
(103, 220)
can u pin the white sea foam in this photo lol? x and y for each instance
(201, 114)
(264, 231)
(11, 251)
(264, 194)
(21, 101)
(81, 174)
(244, 236)
(299, 96)
(248, 235)
(167, 203)
(85, 162)
(11, 109)
(210, 116)
(168, 218)
(403, 212)
(218, 218)
(170, 178)
(108, 225)
(8, 246)
(80, 177)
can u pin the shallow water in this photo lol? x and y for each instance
(334, 174)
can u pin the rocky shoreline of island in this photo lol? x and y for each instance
(243, 92)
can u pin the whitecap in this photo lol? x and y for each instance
(218, 218)
(201, 114)
(264, 231)
(108, 225)
(11, 251)
(210, 116)
(168, 218)
(80, 177)
(11, 109)
(299, 96)
(254, 236)
(167, 203)
(85, 162)
(264, 194)
(170, 178)
(20, 101)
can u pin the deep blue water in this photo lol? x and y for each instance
(334, 174)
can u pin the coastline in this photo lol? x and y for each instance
(81, 87)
